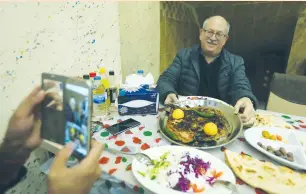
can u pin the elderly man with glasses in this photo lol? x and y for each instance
(210, 70)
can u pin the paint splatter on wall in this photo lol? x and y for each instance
(70, 38)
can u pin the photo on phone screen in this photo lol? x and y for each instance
(123, 126)
(76, 108)
(53, 121)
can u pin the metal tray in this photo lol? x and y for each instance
(234, 120)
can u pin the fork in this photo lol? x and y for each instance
(141, 157)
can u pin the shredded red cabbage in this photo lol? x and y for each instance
(196, 164)
(211, 180)
(183, 184)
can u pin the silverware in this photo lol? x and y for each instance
(228, 184)
(143, 158)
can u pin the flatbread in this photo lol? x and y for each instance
(265, 175)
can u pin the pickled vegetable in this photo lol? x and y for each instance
(205, 114)
(279, 138)
(273, 137)
(266, 134)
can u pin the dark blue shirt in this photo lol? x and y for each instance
(209, 76)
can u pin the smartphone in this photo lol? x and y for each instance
(53, 120)
(78, 112)
(123, 126)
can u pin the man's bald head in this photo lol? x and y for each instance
(214, 35)
(219, 20)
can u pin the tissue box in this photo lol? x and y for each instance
(137, 100)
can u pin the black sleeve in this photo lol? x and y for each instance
(240, 86)
(21, 174)
(168, 81)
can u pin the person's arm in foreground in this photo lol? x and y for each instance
(242, 96)
(78, 179)
(168, 81)
(21, 138)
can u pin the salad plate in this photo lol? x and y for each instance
(178, 170)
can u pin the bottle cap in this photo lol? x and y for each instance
(140, 71)
(102, 70)
(97, 78)
(92, 74)
(85, 76)
(111, 72)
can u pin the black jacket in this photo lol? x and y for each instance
(20, 176)
(183, 77)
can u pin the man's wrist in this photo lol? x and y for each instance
(12, 157)
(10, 181)
(14, 152)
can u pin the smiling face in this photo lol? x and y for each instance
(214, 35)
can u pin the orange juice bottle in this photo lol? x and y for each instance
(105, 82)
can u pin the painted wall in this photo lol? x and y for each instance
(179, 28)
(140, 37)
(64, 38)
(59, 37)
(298, 51)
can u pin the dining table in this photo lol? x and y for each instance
(117, 176)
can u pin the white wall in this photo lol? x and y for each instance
(70, 38)
(140, 37)
(64, 38)
(59, 37)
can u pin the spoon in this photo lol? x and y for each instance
(142, 158)
(228, 184)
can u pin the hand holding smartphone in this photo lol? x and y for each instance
(53, 121)
(77, 108)
(66, 112)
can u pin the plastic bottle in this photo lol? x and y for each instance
(86, 77)
(105, 82)
(111, 78)
(92, 75)
(113, 87)
(99, 97)
(140, 72)
(104, 78)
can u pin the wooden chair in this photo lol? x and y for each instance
(288, 94)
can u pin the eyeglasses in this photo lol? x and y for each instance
(210, 33)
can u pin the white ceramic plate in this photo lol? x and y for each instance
(301, 136)
(156, 152)
(291, 144)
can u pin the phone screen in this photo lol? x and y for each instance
(123, 126)
(53, 120)
(76, 108)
